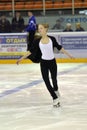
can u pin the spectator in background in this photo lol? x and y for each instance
(17, 23)
(5, 26)
(79, 28)
(58, 25)
(31, 28)
(68, 28)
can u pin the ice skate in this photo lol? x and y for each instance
(56, 102)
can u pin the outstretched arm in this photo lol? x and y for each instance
(66, 53)
(23, 57)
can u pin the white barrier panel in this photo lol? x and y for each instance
(12, 45)
(74, 42)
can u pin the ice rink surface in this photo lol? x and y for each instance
(25, 103)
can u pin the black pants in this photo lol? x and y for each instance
(30, 39)
(46, 67)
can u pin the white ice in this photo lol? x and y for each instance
(25, 103)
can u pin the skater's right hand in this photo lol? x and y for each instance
(18, 62)
(23, 57)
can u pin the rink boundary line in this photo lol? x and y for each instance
(36, 82)
(59, 60)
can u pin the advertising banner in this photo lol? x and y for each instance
(12, 42)
(74, 42)
(14, 45)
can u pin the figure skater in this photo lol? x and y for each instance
(42, 51)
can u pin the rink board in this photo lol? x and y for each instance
(61, 60)
(75, 43)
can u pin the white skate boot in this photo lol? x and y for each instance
(56, 102)
(57, 93)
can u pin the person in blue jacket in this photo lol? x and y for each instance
(31, 28)
(42, 52)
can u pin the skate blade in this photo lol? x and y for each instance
(57, 105)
